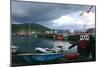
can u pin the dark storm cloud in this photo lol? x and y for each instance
(40, 12)
(45, 13)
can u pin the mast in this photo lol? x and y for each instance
(84, 27)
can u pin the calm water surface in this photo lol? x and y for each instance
(28, 44)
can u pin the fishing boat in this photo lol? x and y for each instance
(43, 55)
(59, 37)
(31, 58)
(47, 57)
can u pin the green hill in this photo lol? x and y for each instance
(26, 27)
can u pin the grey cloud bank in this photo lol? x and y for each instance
(43, 13)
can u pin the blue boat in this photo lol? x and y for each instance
(47, 57)
(42, 57)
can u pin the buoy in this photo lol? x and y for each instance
(71, 56)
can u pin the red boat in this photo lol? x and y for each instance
(71, 56)
(59, 37)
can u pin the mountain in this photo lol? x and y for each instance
(26, 27)
(91, 30)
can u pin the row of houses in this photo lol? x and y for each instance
(64, 33)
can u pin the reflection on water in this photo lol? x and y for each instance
(28, 44)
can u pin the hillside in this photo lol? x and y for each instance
(91, 30)
(26, 27)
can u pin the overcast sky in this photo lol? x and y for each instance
(53, 16)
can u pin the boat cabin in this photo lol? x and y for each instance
(84, 37)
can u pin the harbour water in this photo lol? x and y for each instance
(28, 44)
